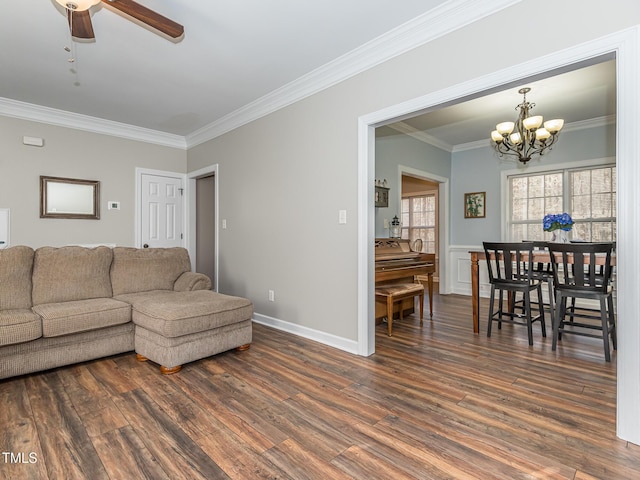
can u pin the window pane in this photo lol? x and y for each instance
(553, 185)
(536, 208)
(601, 180)
(419, 222)
(519, 209)
(518, 232)
(601, 206)
(581, 231)
(519, 187)
(581, 183)
(553, 205)
(581, 206)
(536, 186)
(602, 232)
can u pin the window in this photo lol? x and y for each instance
(587, 194)
(419, 220)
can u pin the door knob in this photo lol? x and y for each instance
(146, 245)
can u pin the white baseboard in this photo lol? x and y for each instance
(350, 346)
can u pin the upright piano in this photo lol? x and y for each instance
(396, 263)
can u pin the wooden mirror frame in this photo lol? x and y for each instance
(87, 208)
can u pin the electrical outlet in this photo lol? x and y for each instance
(272, 296)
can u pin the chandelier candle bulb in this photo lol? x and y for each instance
(532, 123)
(505, 128)
(542, 134)
(554, 126)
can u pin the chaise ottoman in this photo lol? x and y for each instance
(173, 328)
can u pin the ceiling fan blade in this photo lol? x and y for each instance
(147, 16)
(80, 25)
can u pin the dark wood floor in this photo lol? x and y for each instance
(433, 402)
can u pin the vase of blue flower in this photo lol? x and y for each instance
(558, 224)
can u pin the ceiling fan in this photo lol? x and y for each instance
(80, 19)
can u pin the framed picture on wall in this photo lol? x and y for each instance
(474, 205)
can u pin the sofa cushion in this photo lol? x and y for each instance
(16, 266)
(81, 315)
(18, 326)
(172, 314)
(146, 269)
(71, 273)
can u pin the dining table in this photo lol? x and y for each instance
(539, 256)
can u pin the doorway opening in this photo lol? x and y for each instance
(203, 213)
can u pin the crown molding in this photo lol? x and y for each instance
(420, 135)
(61, 118)
(433, 24)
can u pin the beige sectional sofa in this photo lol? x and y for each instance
(65, 305)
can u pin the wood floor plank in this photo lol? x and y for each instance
(125, 456)
(67, 448)
(359, 463)
(302, 464)
(178, 455)
(258, 432)
(20, 452)
(239, 462)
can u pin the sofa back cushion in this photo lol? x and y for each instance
(16, 265)
(71, 273)
(144, 269)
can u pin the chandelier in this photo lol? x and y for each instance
(526, 137)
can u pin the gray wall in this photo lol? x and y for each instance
(74, 154)
(394, 150)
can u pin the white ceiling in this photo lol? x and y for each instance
(580, 94)
(232, 53)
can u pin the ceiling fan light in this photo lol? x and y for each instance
(554, 125)
(78, 5)
(531, 123)
(496, 137)
(505, 128)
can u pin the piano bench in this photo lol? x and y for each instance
(390, 294)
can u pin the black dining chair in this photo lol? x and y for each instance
(511, 270)
(599, 277)
(583, 270)
(542, 272)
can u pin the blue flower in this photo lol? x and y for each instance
(557, 221)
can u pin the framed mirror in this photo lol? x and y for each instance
(69, 198)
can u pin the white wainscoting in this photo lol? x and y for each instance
(459, 273)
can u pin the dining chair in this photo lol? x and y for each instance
(542, 272)
(599, 278)
(577, 274)
(511, 270)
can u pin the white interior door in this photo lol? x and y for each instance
(161, 211)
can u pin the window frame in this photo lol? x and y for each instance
(408, 229)
(565, 167)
